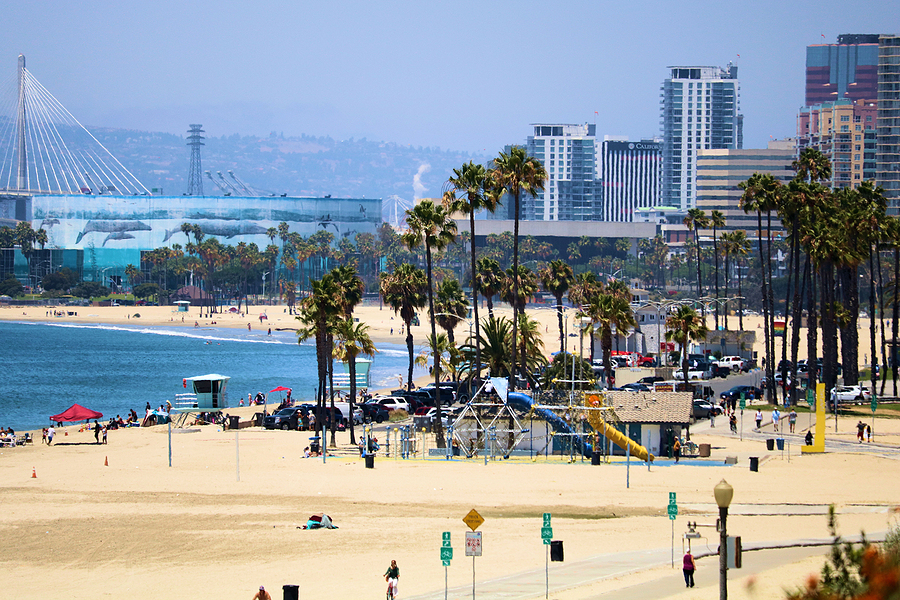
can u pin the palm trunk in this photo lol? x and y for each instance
(351, 359)
(849, 279)
(330, 365)
(409, 349)
(716, 256)
(784, 336)
(725, 312)
(872, 348)
(770, 298)
(798, 315)
(559, 316)
(770, 384)
(883, 360)
(438, 425)
(515, 296)
(477, 340)
(740, 298)
(490, 305)
(812, 325)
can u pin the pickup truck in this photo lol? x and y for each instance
(692, 374)
(845, 394)
(735, 363)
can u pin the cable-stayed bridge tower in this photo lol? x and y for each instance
(44, 149)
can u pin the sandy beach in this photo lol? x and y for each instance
(384, 325)
(224, 518)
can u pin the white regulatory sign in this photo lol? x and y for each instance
(473, 543)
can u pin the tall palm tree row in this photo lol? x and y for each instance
(716, 221)
(517, 174)
(429, 223)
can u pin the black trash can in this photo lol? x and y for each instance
(770, 445)
(556, 550)
(291, 592)
(779, 443)
(234, 422)
(754, 463)
(314, 444)
(595, 458)
(370, 461)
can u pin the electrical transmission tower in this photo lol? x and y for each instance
(195, 177)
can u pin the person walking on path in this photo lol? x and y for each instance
(96, 432)
(105, 430)
(392, 575)
(792, 420)
(689, 567)
(758, 419)
(50, 433)
(262, 594)
(860, 430)
(776, 416)
(676, 450)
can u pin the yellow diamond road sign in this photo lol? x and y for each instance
(473, 519)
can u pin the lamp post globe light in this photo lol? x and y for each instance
(723, 493)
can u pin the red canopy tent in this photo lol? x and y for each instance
(76, 412)
(280, 388)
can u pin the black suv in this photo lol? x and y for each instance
(286, 418)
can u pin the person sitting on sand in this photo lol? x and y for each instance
(262, 594)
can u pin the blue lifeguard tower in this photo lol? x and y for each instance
(342, 379)
(208, 395)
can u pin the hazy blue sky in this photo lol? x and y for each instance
(458, 75)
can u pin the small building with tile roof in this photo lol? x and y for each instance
(652, 419)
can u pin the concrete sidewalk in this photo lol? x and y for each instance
(529, 585)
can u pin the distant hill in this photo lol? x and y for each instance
(300, 166)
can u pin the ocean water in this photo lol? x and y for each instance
(46, 367)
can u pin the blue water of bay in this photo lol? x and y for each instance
(47, 367)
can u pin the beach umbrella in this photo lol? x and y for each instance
(280, 388)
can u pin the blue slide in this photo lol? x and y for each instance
(525, 403)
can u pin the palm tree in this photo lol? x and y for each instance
(490, 280)
(353, 340)
(517, 173)
(761, 194)
(133, 274)
(404, 290)
(683, 327)
(696, 220)
(430, 223)
(716, 220)
(556, 279)
(451, 305)
(474, 183)
(605, 311)
(318, 315)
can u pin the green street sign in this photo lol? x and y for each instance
(447, 554)
(446, 563)
(546, 533)
(743, 403)
(546, 519)
(673, 511)
(874, 403)
(445, 536)
(672, 498)
(811, 398)
(547, 541)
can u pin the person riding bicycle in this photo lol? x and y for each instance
(733, 421)
(391, 576)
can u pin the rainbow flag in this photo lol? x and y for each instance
(779, 328)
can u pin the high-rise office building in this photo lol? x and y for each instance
(700, 110)
(572, 191)
(845, 70)
(887, 153)
(719, 172)
(630, 175)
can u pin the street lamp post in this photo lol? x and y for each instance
(723, 493)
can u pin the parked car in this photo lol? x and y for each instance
(392, 403)
(286, 418)
(735, 363)
(750, 393)
(373, 411)
(703, 408)
(721, 371)
(647, 361)
(692, 374)
(635, 387)
(650, 379)
(846, 394)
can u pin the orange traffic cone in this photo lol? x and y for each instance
(106, 461)
(33, 473)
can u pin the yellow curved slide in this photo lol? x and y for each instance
(595, 418)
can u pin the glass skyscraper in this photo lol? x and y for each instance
(887, 152)
(700, 110)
